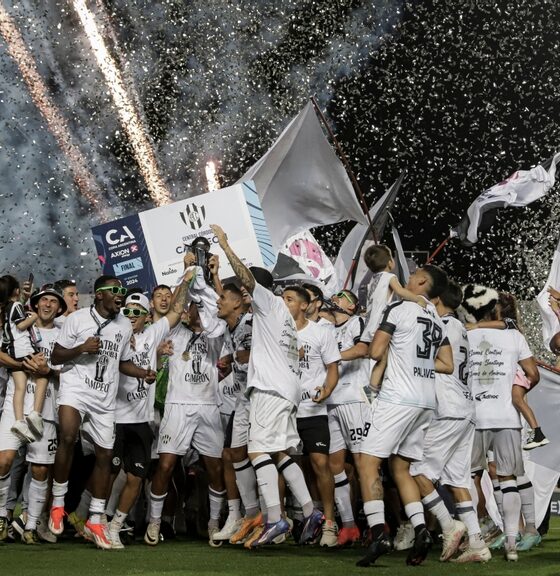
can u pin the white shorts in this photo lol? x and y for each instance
(97, 427)
(240, 429)
(397, 429)
(348, 424)
(506, 446)
(187, 426)
(447, 453)
(272, 423)
(39, 452)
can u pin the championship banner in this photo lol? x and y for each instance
(147, 249)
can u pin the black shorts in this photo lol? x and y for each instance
(133, 449)
(314, 434)
(228, 431)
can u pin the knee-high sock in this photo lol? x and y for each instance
(156, 506)
(527, 494)
(59, 492)
(512, 509)
(498, 496)
(216, 504)
(4, 489)
(267, 479)
(343, 499)
(466, 512)
(96, 510)
(37, 496)
(246, 480)
(434, 503)
(415, 513)
(296, 482)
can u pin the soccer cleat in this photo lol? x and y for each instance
(510, 553)
(214, 543)
(347, 536)
(270, 532)
(99, 534)
(18, 524)
(404, 539)
(451, 540)
(30, 537)
(381, 545)
(247, 526)
(472, 554)
(253, 537)
(528, 541)
(4, 523)
(151, 537)
(535, 439)
(56, 520)
(43, 530)
(422, 544)
(77, 522)
(282, 537)
(230, 528)
(329, 535)
(21, 430)
(498, 543)
(35, 424)
(115, 538)
(311, 526)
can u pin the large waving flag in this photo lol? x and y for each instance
(520, 189)
(551, 325)
(301, 183)
(349, 265)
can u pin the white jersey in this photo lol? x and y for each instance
(417, 334)
(274, 360)
(353, 375)
(16, 343)
(236, 340)
(95, 376)
(193, 367)
(493, 362)
(453, 391)
(135, 398)
(379, 295)
(320, 349)
(3, 384)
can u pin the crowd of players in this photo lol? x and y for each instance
(307, 415)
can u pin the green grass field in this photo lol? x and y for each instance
(182, 557)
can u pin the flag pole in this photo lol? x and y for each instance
(355, 184)
(438, 250)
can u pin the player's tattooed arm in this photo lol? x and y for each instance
(179, 300)
(240, 270)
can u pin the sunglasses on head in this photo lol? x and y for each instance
(134, 312)
(345, 295)
(114, 290)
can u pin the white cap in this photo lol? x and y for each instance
(138, 299)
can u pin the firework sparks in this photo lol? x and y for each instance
(212, 176)
(41, 98)
(130, 119)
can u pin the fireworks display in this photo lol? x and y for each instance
(460, 94)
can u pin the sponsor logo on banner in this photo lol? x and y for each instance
(193, 216)
(118, 235)
(128, 266)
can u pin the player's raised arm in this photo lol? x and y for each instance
(240, 270)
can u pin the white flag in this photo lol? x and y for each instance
(551, 325)
(301, 183)
(520, 189)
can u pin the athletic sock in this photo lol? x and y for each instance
(119, 519)
(59, 490)
(296, 483)
(498, 496)
(156, 507)
(467, 515)
(434, 504)
(4, 490)
(96, 510)
(216, 504)
(527, 495)
(374, 511)
(37, 498)
(512, 510)
(247, 485)
(234, 509)
(415, 513)
(267, 479)
(83, 507)
(343, 499)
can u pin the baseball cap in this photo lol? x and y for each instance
(138, 298)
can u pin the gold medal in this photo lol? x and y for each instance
(186, 356)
